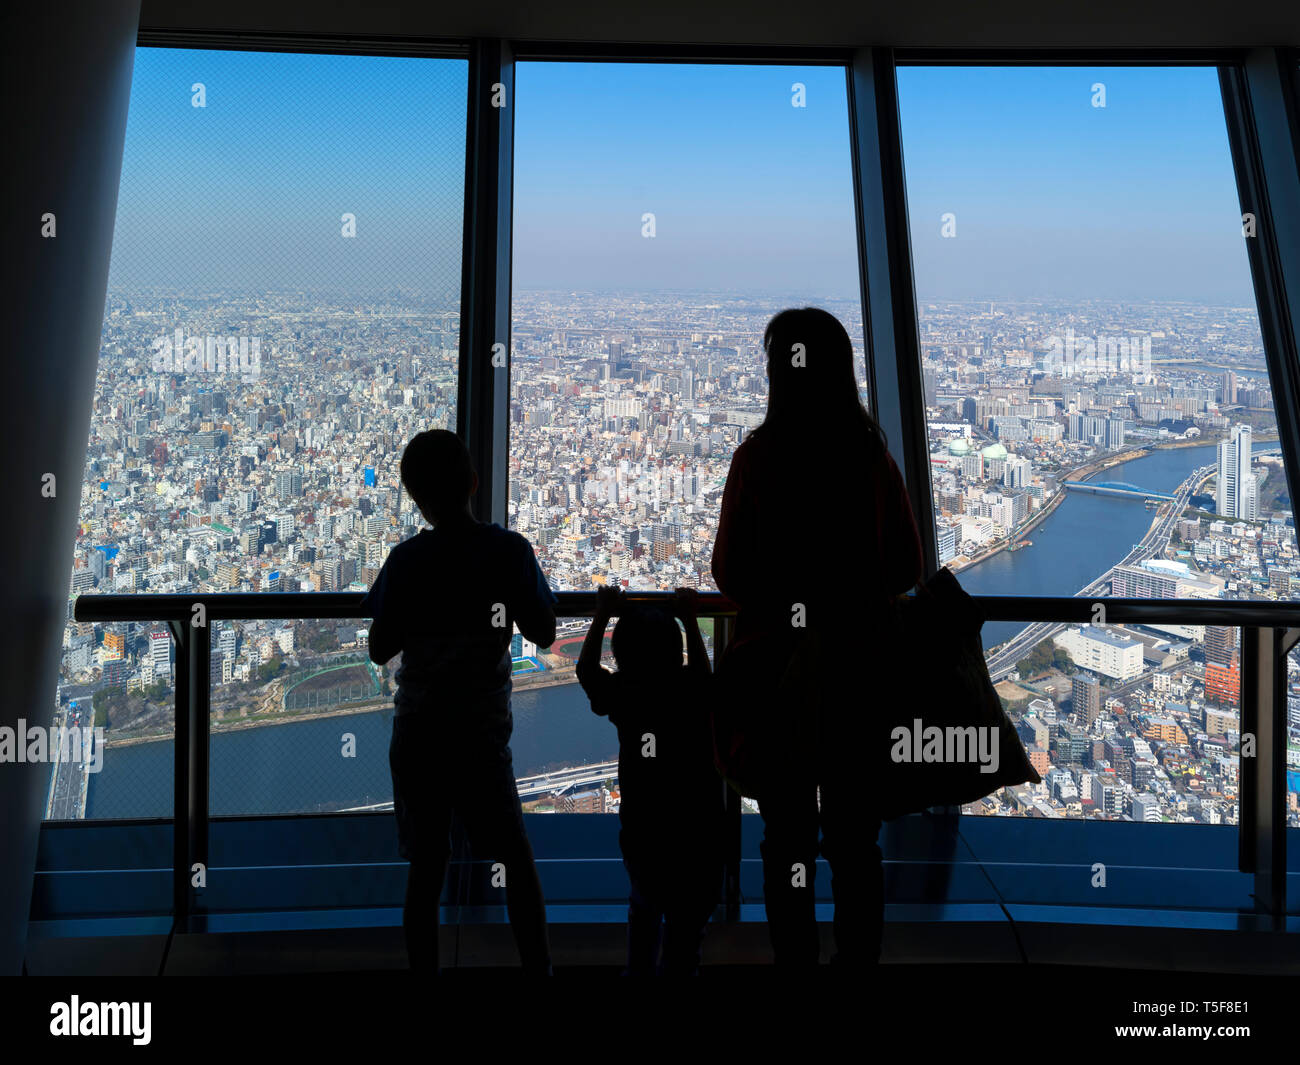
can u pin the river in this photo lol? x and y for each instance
(300, 767)
(1083, 537)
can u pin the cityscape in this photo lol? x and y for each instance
(277, 471)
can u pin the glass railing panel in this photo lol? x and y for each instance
(110, 740)
(301, 718)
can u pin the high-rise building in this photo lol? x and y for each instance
(1234, 492)
(1141, 582)
(1229, 387)
(1086, 694)
(1016, 472)
(591, 801)
(946, 541)
(1114, 433)
(160, 652)
(1222, 672)
(1220, 644)
(227, 639)
(115, 642)
(1108, 795)
(288, 484)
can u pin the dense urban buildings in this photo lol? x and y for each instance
(624, 413)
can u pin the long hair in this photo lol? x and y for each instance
(813, 395)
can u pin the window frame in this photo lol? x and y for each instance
(1260, 88)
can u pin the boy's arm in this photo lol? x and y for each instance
(534, 613)
(385, 640)
(697, 655)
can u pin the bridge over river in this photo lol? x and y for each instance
(1116, 488)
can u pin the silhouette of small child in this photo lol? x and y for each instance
(671, 806)
(447, 599)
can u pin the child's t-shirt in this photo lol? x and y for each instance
(453, 596)
(676, 794)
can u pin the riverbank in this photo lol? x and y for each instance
(549, 679)
(259, 722)
(1082, 473)
(1038, 517)
(1088, 469)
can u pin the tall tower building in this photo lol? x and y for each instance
(1222, 672)
(1229, 387)
(1086, 695)
(160, 651)
(1114, 433)
(1220, 644)
(1234, 493)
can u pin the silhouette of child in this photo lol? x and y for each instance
(446, 599)
(671, 805)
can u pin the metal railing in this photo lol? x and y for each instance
(1270, 630)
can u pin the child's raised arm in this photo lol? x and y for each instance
(697, 656)
(595, 678)
(607, 600)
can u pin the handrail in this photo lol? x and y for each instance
(251, 606)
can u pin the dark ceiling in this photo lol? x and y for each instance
(905, 23)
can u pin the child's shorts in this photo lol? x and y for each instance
(436, 773)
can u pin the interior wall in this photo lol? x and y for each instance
(67, 76)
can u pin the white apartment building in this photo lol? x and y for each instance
(1102, 652)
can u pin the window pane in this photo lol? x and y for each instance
(659, 223)
(282, 315)
(1098, 407)
(1086, 314)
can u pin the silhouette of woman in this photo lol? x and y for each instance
(816, 534)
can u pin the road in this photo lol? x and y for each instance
(562, 780)
(70, 780)
(554, 783)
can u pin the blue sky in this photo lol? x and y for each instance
(248, 192)
(749, 193)
(1052, 196)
